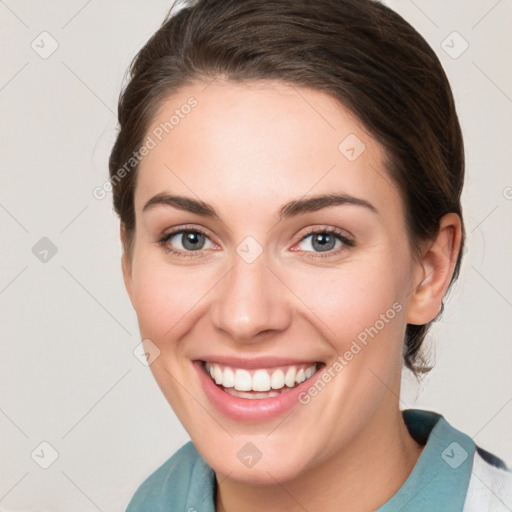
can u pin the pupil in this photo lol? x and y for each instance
(191, 240)
(326, 241)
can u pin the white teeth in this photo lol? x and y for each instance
(301, 376)
(289, 379)
(243, 381)
(253, 395)
(217, 374)
(277, 379)
(225, 378)
(229, 378)
(261, 380)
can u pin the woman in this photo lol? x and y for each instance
(288, 178)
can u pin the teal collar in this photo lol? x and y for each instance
(439, 480)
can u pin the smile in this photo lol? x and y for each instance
(258, 389)
(259, 383)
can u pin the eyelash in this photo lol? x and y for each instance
(347, 242)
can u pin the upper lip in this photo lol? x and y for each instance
(256, 362)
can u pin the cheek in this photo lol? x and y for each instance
(361, 299)
(357, 302)
(167, 297)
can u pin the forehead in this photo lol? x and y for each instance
(259, 144)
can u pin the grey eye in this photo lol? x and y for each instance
(321, 241)
(189, 240)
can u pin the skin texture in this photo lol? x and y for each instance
(247, 149)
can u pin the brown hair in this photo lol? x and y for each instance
(360, 52)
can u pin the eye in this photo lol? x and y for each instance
(185, 241)
(329, 241)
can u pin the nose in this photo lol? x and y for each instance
(249, 301)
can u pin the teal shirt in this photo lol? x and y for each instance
(439, 480)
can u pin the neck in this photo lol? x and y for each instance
(360, 477)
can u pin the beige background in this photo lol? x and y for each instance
(68, 374)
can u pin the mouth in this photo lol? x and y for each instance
(259, 383)
(256, 391)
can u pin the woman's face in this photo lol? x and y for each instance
(250, 288)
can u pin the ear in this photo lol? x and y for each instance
(434, 271)
(126, 264)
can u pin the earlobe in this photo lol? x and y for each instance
(435, 270)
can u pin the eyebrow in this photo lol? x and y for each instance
(291, 209)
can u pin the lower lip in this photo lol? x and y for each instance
(246, 409)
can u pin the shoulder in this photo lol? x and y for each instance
(452, 473)
(172, 482)
(490, 485)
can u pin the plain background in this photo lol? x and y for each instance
(68, 373)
